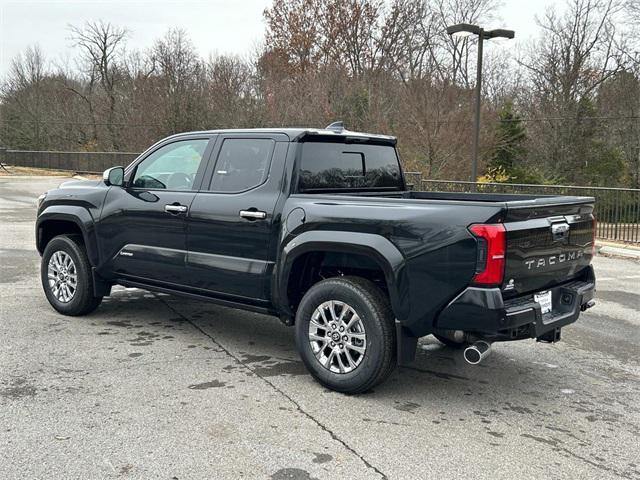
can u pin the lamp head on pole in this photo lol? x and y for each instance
(462, 30)
(500, 33)
(465, 30)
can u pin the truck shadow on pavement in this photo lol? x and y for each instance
(266, 348)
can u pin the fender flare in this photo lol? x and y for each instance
(378, 248)
(81, 217)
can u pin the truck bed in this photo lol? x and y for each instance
(536, 257)
(470, 197)
(516, 206)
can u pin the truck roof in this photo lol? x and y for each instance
(305, 134)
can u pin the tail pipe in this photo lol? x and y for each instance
(477, 351)
(589, 304)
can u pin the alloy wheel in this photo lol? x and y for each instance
(337, 337)
(62, 276)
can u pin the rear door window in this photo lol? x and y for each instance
(242, 164)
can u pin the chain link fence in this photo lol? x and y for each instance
(79, 162)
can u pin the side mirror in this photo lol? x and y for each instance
(114, 176)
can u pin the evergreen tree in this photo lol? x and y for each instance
(505, 163)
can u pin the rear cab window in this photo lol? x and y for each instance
(335, 167)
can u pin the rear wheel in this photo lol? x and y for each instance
(345, 334)
(66, 278)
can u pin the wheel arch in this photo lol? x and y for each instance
(65, 219)
(377, 250)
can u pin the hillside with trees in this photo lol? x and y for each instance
(565, 109)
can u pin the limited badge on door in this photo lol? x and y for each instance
(544, 300)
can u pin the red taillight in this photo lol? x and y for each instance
(492, 245)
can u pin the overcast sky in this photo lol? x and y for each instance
(215, 26)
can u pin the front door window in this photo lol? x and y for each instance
(171, 167)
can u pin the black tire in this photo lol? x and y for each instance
(374, 310)
(450, 343)
(83, 300)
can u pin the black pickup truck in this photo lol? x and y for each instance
(318, 227)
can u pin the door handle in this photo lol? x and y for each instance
(175, 208)
(253, 214)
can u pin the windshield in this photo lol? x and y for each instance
(340, 166)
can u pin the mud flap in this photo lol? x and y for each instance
(101, 288)
(406, 345)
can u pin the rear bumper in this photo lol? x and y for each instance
(483, 311)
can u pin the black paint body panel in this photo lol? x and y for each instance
(419, 240)
(228, 253)
(485, 312)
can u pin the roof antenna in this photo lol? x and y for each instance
(337, 127)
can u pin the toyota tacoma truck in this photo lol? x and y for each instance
(319, 228)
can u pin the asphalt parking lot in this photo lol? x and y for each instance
(154, 386)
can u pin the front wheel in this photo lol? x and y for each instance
(345, 334)
(66, 276)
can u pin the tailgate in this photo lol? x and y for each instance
(547, 244)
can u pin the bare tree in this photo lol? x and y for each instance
(380, 65)
(229, 92)
(632, 47)
(101, 45)
(349, 31)
(451, 12)
(179, 70)
(410, 41)
(23, 91)
(574, 57)
(293, 31)
(575, 53)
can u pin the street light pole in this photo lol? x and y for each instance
(465, 30)
(476, 126)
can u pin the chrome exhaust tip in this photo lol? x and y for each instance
(477, 352)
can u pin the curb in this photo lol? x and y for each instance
(623, 251)
(36, 177)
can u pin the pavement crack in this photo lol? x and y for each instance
(594, 464)
(255, 372)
